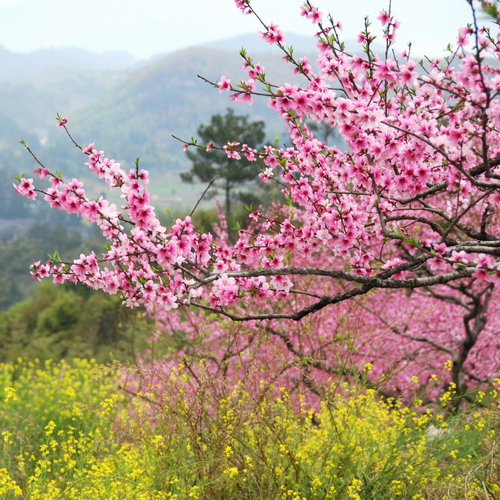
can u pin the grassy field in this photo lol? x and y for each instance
(82, 430)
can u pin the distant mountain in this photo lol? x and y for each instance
(132, 108)
(254, 43)
(134, 111)
(302, 45)
(33, 105)
(15, 65)
(35, 86)
(13, 157)
(165, 97)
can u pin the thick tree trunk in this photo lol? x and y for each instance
(474, 322)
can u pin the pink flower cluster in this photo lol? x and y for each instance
(273, 34)
(26, 188)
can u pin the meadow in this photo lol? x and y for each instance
(77, 429)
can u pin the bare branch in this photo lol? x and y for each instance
(401, 333)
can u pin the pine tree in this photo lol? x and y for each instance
(229, 174)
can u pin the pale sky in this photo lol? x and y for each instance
(149, 27)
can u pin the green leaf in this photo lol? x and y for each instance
(414, 241)
(55, 258)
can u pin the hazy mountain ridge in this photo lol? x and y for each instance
(111, 95)
(165, 97)
(18, 65)
(252, 42)
(302, 44)
(129, 112)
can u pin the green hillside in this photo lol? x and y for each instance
(129, 113)
(165, 97)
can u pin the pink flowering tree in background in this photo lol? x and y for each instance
(383, 263)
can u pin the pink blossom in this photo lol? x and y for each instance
(88, 149)
(224, 84)
(243, 5)
(384, 17)
(25, 188)
(311, 13)
(273, 34)
(41, 172)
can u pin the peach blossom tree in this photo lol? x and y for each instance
(397, 231)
